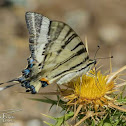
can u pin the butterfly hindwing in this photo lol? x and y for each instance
(38, 27)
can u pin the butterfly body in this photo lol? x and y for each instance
(57, 54)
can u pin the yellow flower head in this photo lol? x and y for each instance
(93, 90)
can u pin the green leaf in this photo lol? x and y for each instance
(121, 101)
(107, 124)
(49, 101)
(93, 123)
(48, 123)
(117, 122)
(60, 120)
(64, 118)
(60, 102)
(101, 123)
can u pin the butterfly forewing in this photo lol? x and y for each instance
(65, 53)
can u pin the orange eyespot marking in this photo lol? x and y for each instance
(44, 79)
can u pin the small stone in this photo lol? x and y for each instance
(34, 122)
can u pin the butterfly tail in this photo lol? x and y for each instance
(11, 85)
(13, 80)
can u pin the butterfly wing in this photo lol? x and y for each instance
(38, 27)
(66, 55)
(57, 52)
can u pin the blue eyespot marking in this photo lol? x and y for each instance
(32, 89)
(27, 84)
(21, 79)
(44, 83)
(30, 62)
(26, 72)
(30, 65)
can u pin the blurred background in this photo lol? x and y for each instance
(103, 22)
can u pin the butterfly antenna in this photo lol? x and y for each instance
(110, 57)
(95, 64)
(98, 47)
(3, 88)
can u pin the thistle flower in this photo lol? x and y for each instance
(92, 94)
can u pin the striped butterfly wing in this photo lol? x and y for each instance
(57, 52)
(66, 55)
(38, 27)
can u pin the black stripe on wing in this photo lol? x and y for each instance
(69, 40)
(79, 44)
(83, 50)
(34, 22)
(75, 67)
(54, 31)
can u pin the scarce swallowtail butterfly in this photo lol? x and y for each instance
(57, 54)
